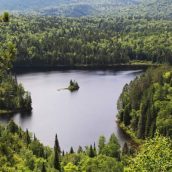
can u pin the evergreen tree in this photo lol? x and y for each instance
(57, 165)
(95, 150)
(56, 160)
(91, 152)
(126, 115)
(71, 150)
(125, 149)
(28, 140)
(57, 144)
(142, 119)
(80, 150)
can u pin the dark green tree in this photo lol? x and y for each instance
(57, 144)
(71, 150)
(80, 150)
(91, 152)
(6, 17)
(125, 149)
(27, 137)
(57, 165)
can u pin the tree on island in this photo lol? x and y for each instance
(73, 86)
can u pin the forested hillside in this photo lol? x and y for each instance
(150, 8)
(13, 97)
(145, 104)
(89, 41)
(21, 151)
(78, 8)
(70, 8)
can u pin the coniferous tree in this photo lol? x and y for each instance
(56, 160)
(28, 140)
(71, 150)
(95, 150)
(91, 152)
(57, 165)
(142, 120)
(126, 115)
(125, 149)
(57, 144)
(80, 150)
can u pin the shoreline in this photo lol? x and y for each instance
(27, 68)
(132, 139)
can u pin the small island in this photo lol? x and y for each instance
(73, 86)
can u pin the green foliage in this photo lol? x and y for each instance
(150, 99)
(56, 161)
(6, 17)
(73, 86)
(91, 152)
(70, 168)
(17, 155)
(52, 41)
(13, 97)
(111, 149)
(101, 163)
(154, 155)
(101, 145)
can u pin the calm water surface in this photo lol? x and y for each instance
(79, 118)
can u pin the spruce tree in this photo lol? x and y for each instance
(71, 150)
(56, 160)
(28, 140)
(91, 152)
(56, 155)
(57, 144)
(95, 150)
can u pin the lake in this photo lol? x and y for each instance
(78, 118)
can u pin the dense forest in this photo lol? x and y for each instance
(13, 97)
(145, 104)
(22, 151)
(87, 41)
(145, 108)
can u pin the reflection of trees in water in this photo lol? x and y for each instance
(24, 116)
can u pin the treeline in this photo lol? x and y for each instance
(145, 104)
(22, 151)
(52, 41)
